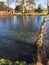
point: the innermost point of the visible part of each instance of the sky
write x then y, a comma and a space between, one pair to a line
41, 2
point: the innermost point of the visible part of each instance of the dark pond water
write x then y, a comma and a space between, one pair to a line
18, 35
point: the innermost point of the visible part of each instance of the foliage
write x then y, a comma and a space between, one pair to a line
8, 62
2, 5
19, 8
5, 62
31, 2
39, 10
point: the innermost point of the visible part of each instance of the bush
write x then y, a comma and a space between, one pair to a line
5, 62
39, 10
8, 62
17, 63
23, 63
19, 8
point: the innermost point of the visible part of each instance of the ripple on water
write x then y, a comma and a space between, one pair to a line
18, 36
19, 45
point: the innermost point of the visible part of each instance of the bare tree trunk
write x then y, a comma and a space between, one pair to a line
8, 2
48, 5
29, 6
23, 5
41, 55
23, 8
48, 9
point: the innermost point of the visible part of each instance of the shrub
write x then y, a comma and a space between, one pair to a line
39, 9
8, 62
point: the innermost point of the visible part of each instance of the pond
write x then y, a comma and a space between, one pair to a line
18, 35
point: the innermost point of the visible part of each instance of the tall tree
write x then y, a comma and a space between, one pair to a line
30, 2
23, 4
48, 5
9, 2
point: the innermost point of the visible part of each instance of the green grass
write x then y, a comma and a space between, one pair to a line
42, 13
35, 13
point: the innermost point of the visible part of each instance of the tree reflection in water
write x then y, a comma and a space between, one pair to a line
18, 37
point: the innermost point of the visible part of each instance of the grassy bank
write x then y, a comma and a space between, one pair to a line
34, 14
44, 13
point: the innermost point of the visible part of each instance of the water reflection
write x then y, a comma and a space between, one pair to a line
22, 22
18, 37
